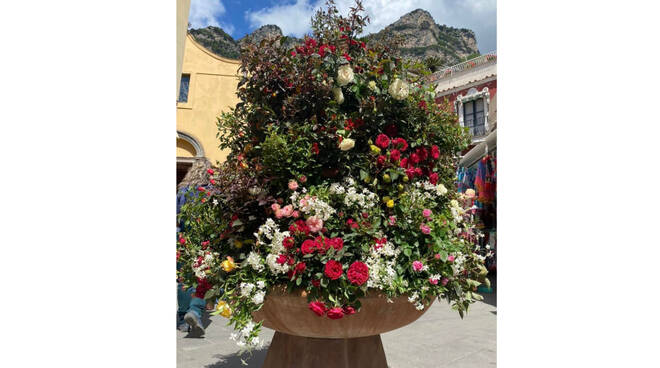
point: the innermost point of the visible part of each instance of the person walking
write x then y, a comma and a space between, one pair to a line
191, 301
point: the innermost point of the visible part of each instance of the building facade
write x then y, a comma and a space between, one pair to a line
207, 88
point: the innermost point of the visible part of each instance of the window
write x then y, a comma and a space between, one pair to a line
183, 90
474, 117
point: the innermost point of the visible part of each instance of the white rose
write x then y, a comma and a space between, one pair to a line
339, 95
441, 189
346, 144
399, 89
345, 75
372, 85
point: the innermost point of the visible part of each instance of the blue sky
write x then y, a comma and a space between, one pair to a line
239, 17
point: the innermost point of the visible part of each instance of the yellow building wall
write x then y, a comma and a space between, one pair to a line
213, 83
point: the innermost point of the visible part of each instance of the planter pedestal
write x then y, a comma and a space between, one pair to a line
289, 351
303, 339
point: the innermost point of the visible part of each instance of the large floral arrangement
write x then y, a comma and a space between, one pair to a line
339, 182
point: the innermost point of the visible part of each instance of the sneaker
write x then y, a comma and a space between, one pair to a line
195, 324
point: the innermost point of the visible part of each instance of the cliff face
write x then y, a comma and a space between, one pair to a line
423, 39
217, 41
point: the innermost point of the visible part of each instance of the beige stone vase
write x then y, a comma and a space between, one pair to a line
303, 339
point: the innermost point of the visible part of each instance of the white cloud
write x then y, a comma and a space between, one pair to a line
204, 13
293, 19
477, 15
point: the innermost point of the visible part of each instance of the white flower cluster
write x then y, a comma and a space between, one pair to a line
243, 338
381, 262
254, 260
247, 288
414, 299
276, 268
439, 189
207, 261
274, 245
352, 198
458, 264
312, 206
456, 210
399, 89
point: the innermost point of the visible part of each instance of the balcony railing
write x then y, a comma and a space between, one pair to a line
488, 58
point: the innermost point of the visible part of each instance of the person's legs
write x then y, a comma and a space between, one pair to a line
194, 315
184, 298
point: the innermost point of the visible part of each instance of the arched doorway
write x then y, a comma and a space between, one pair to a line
188, 150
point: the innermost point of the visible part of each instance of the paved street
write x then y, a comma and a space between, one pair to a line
438, 339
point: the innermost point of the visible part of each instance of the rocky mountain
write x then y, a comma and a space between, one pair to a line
217, 41
422, 38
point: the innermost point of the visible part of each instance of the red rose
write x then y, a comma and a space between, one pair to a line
281, 259
201, 189
308, 246
182, 240
418, 171
315, 148
290, 260
395, 155
348, 310
410, 172
316, 283
348, 58
300, 268
404, 163
293, 53
210, 171
423, 153
212, 181
435, 152
288, 242
400, 143
318, 308
336, 243
363, 45
381, 160
414, 158
322, 244
205, 244
332, 48
333, 269
335, 313
382, 141
433, 178
358, 273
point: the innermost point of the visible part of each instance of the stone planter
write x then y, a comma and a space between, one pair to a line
303, 339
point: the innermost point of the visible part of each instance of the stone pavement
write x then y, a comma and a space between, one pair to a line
438, 339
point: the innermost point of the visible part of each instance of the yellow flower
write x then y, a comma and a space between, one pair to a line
387, 178
375, 149
238, 244
224, 309
228, 264
390, 203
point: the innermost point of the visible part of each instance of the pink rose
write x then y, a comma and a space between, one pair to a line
287, 211
293, 185
314, 223
417, 266
444, 281
433, 281
295, 214
425, 229
451, 258
392, 220
427, 213
275, 207
437, 256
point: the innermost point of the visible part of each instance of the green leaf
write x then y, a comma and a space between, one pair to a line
298, 281
407, 252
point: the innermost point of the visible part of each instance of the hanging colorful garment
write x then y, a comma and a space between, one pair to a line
485, 179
